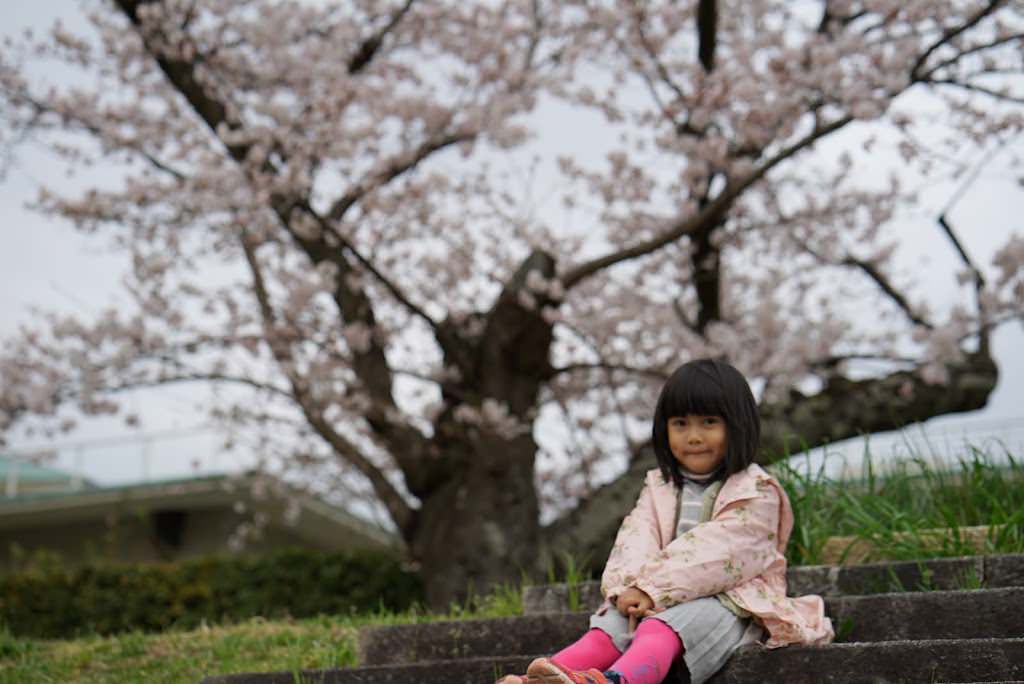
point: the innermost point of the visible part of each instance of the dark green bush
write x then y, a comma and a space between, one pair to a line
51, 602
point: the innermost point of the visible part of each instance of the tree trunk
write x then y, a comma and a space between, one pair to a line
478, 524
479, 528
587, 532
850, 408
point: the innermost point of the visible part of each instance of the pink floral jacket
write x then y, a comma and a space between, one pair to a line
738, 551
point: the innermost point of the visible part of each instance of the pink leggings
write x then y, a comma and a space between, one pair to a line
647, 660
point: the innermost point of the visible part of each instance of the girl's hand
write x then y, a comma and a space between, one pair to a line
634, 604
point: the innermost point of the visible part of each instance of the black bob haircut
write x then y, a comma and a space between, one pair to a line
708, 387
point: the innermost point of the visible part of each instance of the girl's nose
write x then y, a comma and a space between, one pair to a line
693, 437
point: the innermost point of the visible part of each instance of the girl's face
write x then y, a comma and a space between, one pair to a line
697, 442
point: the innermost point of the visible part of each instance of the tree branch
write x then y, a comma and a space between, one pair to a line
392, 170
879, 279
200, 377
395, 291
372, 366
84, 125
400, 512
849, 408
680, 127
706, 260
1002, 97
707, 29
830, 363
578, 367
371, 45
885, 286
827, 19
711, 214
1016, 37
979, 279
949, 34
683, 317
588, 530
181, 74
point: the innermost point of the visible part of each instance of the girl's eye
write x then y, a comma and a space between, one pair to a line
711, 420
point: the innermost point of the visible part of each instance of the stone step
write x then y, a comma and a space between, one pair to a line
892, 632
893, 662
966, 660
400, 644
989, 572
985, 613
469, 670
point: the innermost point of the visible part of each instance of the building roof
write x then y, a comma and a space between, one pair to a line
26, 471
318, 521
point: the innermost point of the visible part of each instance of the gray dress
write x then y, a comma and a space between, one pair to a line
710, 632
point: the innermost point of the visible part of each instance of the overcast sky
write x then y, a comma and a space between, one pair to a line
44, 263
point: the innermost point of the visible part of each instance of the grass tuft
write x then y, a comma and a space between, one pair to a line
897, 512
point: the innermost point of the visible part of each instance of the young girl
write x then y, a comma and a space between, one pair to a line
697, 568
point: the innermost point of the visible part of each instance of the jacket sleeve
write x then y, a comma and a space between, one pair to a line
738, 544
636, 543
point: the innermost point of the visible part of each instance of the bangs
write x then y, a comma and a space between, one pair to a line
708, 387
695, 391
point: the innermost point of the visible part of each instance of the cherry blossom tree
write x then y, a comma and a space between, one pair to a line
309, 201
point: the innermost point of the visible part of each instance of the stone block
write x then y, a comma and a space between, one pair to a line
469, 638
469, 670
813, 579
891, 662
937, 574
1004, 571
987, 613
555, 598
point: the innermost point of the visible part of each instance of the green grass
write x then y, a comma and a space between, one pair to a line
255, 645
185, 656
574, 571
892, 509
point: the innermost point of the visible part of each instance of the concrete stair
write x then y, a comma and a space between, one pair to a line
838, 580
948, 620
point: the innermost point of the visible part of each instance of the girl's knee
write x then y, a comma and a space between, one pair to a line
658, 629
